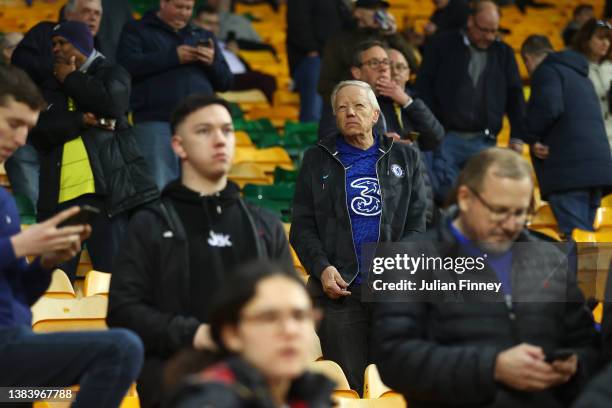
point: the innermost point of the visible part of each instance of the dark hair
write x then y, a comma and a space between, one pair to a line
239, 289
362, 47
194, 103
581, 8
17, 84
536, 44
580, 42
206, 8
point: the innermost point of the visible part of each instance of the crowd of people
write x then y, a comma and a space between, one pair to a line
205, 307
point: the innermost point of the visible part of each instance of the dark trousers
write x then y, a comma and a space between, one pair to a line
103, 363
575, 208
345, 334
106, 236
256, 80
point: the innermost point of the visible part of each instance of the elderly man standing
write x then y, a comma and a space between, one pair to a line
470, 79
497, 349
169, 59
354, 187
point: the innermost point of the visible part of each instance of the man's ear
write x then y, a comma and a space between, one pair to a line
356, 73
463, 197
375, 116
177, 146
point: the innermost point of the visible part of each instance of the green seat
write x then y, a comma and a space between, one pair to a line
301, 127
267, 139
27, 211
235, 111
284, 176
276, 192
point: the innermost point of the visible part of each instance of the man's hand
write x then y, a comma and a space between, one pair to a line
430, 28
62, 69
54, 245
202, 339
386, 87
89, 119
313, 54
333, 284
523, 368
187, 54
206, 55
540, 151
567, 368
397, 138
517, 146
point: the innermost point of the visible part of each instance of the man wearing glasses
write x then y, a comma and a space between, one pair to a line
498, 349
470, 79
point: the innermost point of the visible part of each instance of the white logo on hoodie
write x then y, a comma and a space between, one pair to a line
219, 240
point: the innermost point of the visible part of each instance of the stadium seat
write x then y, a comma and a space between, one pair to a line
130, 400
275, 197
390, 402
243, 139
27, 210
267, 159
96, 283
579, 235
60, 287
334, 372
543, 218
51, 315
603, 218
606, 201
373, 386
245, 173
284, 176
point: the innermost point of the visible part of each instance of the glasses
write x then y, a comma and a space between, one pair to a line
399, 67
502, 214
484, 30
275, 319
374, 63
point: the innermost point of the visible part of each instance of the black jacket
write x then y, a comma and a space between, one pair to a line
147, 49
598, 394
310, 23
444, 84
321, 229
150, 291
564, 114
606, 324
452, 17
235, 384
103, 90
443, 354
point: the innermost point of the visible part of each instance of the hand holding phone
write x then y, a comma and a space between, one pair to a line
206, 51
85, 216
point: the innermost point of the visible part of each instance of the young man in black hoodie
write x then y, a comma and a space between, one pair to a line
178, 251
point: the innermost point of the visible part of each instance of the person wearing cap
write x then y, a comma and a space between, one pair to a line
470, 80
74, 134
371, 22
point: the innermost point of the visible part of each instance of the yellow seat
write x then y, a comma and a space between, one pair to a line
373, 387
130, 400
243, 139
606, 201
334, 372
248, 173
396, 401
96, 283
60, 287
550, 232
594, 237
598, 313
544, 218
51, 315
603, 218
266, 159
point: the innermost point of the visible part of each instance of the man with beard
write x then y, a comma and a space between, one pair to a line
495, 349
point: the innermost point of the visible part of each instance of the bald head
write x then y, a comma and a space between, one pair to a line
483, 24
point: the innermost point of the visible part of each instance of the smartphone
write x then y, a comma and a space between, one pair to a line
205, 43
85, 216
559, 354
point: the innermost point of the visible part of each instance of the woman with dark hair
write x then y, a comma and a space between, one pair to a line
593, 41
262, 323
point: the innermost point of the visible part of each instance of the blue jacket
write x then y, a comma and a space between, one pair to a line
21, 284
147, 49
564, 114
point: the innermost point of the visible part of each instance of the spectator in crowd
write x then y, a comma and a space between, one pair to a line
593, 41
35, 56
176, 253
118, 13
8, 43
232, 22
571, 153
89, 105
490, 353
582, 14
310, 23
470, 79
90, 359
353, 188
262, 323
244, 77
168, 59
450, 15
371, 22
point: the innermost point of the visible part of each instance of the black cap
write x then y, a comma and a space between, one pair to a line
371, 4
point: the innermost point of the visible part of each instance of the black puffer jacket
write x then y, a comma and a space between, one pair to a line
598, 394
103, 90
235, 384
321, 229
443, 354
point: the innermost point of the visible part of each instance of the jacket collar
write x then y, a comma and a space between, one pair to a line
329, 143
